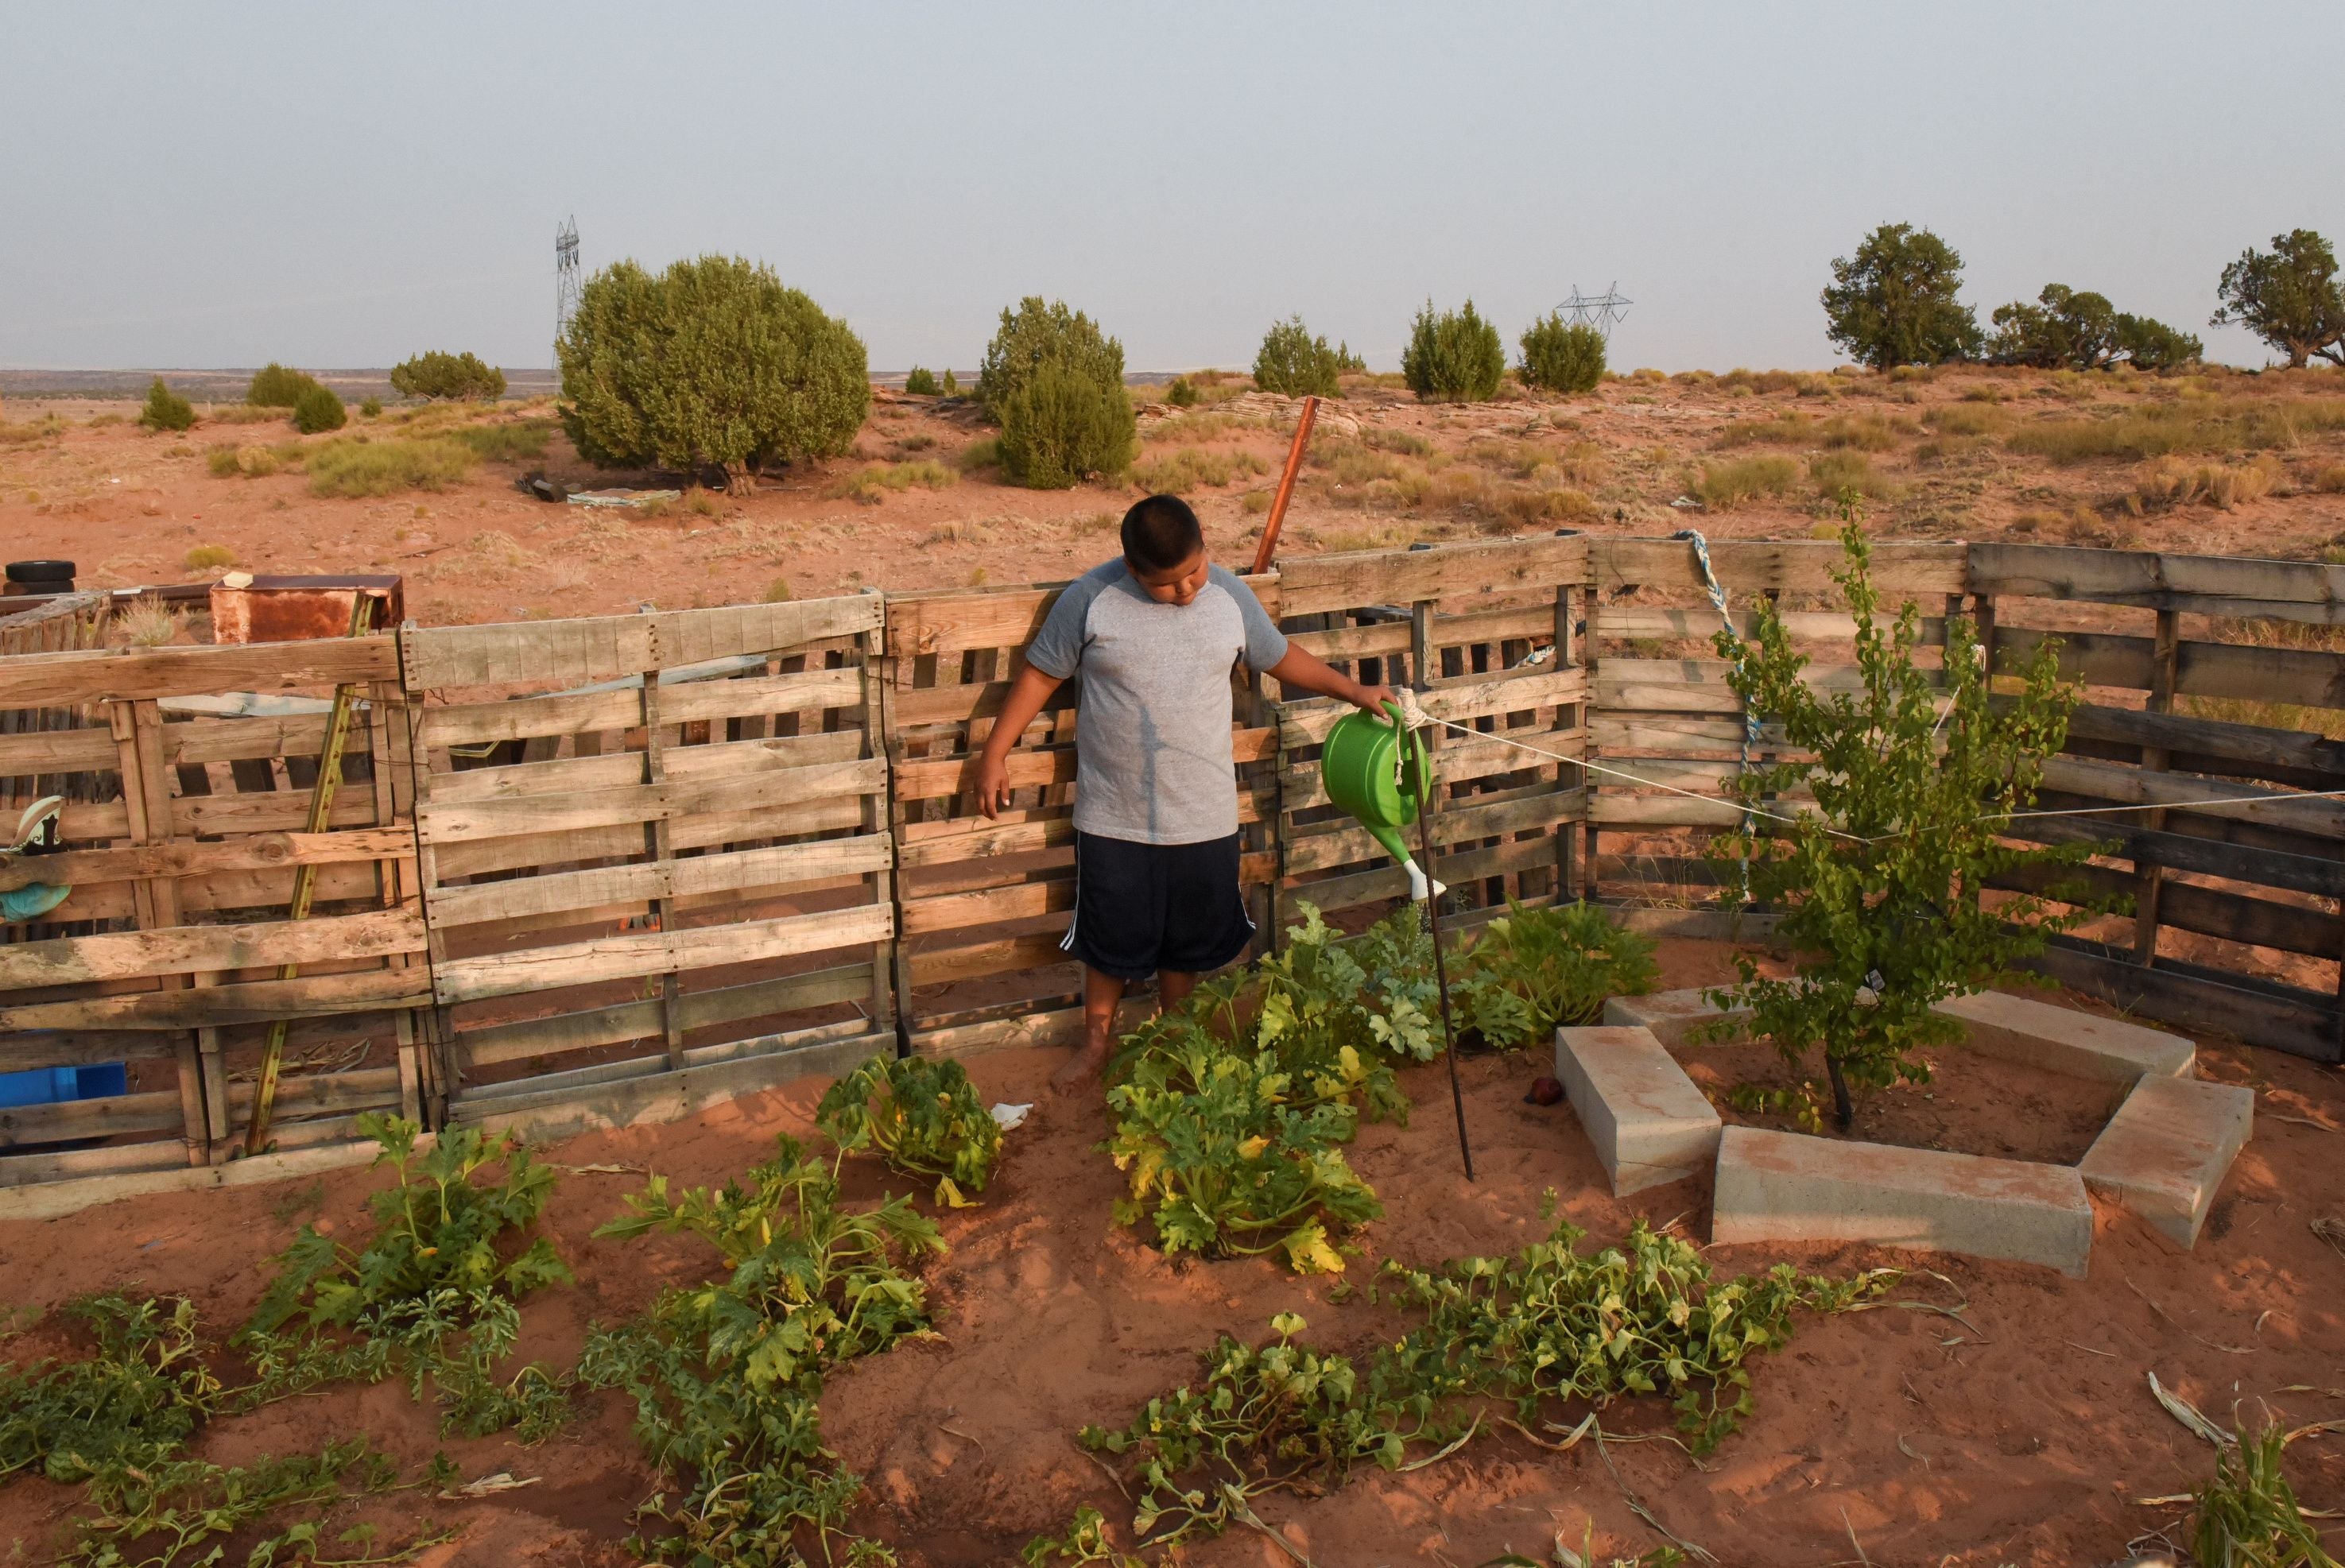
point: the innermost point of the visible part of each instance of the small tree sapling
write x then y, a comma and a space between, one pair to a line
1881, 885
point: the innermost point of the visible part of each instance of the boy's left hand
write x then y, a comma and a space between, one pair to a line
1372, 699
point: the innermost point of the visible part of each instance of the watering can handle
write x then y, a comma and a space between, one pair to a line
1399, 719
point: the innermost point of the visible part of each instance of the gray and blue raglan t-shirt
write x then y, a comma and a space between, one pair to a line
1152, 732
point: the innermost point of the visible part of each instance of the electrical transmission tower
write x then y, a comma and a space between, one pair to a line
1602, 311
566, 282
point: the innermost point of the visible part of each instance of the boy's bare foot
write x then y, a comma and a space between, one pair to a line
1083, 1070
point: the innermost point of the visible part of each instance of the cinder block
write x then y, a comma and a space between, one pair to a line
2064, 1040
2168, 1148
1784, 1187
1649, 1123
1669, 1014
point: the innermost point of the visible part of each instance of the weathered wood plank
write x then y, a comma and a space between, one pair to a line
1751, 566
2133, 786
188, 949
2200, 584
765, 869
190, 857
490, 1045
637, 954
62, 680
1310, 584
463, 820
219, 1007
596, 648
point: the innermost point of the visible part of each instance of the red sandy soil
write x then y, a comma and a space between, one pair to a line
129, 505
2022, 1433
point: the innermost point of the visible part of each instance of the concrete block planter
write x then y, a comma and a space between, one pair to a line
1649, 1123
1785, 1186
2162, 1157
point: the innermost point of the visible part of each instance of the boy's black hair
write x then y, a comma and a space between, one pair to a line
1160, 534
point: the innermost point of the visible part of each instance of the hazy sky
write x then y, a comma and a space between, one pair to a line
340, 185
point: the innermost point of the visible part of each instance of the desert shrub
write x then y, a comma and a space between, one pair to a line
1892, 302
1386, 438
2149, 345
318, 409
1062, 425
2330, 480
1914, 776
211, 558
1293, 363
951, 384
712, 363
372, 407
1453, 356
920, 382
166, 410
360, 466
1182, 393
1189, 468
1728, 485
275, 386
1560, 355
1040, 333
2078, 330
985, 452
463, 377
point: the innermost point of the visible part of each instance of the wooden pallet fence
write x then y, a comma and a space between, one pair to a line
2235, 867
654, 854
1668, 731
1487, 635
181, 853
985, 902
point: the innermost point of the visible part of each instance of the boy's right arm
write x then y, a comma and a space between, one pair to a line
1028, 692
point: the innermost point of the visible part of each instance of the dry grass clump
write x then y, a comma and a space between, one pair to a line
1344, 542
2187, 425
1967, 419
240, 414
1865, 433
25, 432
871, 485
211, 558
2164, 482
2267, 634
1843, 473
251, 460
494, 554
1553, 505
1189, 428
984, 453
361, 466
1723, 487
1194, 467
962, 531
1406, 442
508, 440
1789, 428
148, 623
2330, 481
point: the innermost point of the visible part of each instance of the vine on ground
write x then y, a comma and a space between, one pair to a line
428, 1295
726, 1377
1546, 1328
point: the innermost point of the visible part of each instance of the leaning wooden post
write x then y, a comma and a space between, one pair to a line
305, 876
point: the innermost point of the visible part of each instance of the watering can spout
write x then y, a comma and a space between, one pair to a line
1420, 887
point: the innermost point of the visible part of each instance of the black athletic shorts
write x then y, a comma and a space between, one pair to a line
1143, 907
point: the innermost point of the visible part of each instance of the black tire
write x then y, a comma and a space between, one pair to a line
41, 571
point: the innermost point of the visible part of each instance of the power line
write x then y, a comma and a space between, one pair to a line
566, 284
1602, 311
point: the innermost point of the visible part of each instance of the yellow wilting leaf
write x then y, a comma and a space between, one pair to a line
1252, 1147
950, 1195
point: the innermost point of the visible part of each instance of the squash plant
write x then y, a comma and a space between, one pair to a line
1534, 971
727, 1376
922, 1116
133, 1403
432, 1294
1880, 887
1229, 1112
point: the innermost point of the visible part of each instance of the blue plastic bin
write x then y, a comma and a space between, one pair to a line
47, 1086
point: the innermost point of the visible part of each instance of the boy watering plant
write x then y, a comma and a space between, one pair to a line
1153, 637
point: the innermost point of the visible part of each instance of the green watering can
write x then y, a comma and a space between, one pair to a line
1381, 774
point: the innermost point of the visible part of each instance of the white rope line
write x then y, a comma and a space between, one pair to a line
1415, 712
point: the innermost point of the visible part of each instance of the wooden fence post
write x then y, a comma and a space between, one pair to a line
136, 727
2150, 879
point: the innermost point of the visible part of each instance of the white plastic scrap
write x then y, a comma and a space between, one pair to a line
1009, 1117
